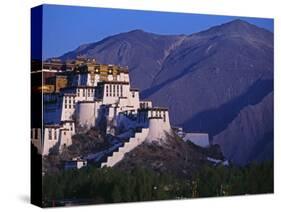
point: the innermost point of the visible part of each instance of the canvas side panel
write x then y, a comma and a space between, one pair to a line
36, 104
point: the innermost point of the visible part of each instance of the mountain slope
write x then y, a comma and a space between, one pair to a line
241, 146
143, 52
211, 69
206, 79
213, 76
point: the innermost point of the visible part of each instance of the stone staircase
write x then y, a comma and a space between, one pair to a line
128, 146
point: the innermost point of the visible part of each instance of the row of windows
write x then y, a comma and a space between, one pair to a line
114, 90
50, 134
85, 92
162, 114
54, 136
144, 105
69, 102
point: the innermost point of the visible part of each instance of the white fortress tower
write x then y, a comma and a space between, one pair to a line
94, 94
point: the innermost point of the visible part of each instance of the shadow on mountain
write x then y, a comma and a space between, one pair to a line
189, 69
263, 150
214, 121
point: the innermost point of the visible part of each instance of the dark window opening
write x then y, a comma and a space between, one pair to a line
50, 134
36, 133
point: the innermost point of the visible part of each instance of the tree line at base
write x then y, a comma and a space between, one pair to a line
111, 185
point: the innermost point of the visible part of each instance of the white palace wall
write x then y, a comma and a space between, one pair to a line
87, 101
36, 139
157, 129
65, 138
68, 106
87, 113
50, 138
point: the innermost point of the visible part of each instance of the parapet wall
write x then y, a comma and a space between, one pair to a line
144, 115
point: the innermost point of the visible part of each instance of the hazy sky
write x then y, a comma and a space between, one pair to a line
67, 27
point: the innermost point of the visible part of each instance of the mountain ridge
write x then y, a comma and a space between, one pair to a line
194, 73
238, 22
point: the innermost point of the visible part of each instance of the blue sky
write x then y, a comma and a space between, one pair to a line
67, 27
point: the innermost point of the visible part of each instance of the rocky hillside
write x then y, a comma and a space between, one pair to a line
174, 156
207, 79
258, 145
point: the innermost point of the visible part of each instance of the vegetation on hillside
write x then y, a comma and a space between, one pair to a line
109, 185
173, 170
90, 141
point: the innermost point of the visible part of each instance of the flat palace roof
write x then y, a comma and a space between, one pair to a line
114, 82
154, 109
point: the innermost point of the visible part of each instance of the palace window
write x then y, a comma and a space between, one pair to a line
133, 94
55, 135
83, 92
50, 134
164, 117
121, 90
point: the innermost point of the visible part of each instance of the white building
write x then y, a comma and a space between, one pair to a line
99, 94
75, 163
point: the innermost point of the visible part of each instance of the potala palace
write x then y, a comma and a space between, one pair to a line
82, 94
